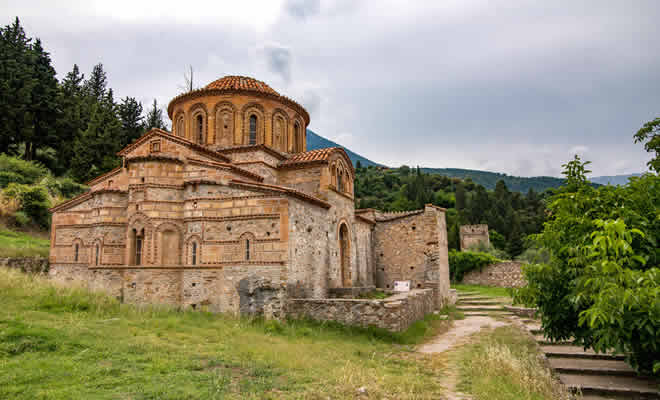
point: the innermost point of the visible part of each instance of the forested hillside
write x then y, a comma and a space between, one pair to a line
315, 141
510, 215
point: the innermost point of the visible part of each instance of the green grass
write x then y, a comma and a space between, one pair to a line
490, 291
64, 343
17, 244
505, 364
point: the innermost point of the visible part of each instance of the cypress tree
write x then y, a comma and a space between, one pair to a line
72, 117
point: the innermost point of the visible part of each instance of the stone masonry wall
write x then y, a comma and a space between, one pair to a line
503, 274
31, 265
395, 313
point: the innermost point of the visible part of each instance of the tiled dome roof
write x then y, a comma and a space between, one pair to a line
241, 83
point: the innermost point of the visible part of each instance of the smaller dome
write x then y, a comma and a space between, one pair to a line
241, 83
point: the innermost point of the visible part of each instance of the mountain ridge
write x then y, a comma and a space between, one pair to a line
488, 179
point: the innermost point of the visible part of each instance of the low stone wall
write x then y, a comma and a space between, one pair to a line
31, 265
503, 274
349, 292
395, 313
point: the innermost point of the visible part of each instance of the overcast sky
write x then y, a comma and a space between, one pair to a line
502, 85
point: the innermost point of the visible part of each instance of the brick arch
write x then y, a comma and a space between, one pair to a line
96, 255
196, 110
224, 137
345, 243
247, 242
143, 227
253, 108
297, 144
189, 247
179, 124
81, 250
281, 142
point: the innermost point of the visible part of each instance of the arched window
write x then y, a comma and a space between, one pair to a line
253, 130
200, 129
194, 253
180, 126
297, 143
75, 254
247, 249
139, 239
96, 260
340, 183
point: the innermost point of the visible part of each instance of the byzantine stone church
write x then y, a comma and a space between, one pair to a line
232, 196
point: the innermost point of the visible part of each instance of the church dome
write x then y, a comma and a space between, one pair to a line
241, 83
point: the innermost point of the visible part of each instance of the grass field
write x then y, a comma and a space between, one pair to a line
58, 343
18, 244
504, 364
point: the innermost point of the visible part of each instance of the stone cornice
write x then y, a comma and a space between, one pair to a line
199, 93
281, 190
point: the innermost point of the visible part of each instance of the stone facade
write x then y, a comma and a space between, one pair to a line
228, 213
395, 313
502, 274
473, 234
30, 265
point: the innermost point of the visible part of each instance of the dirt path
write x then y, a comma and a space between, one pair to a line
461, 333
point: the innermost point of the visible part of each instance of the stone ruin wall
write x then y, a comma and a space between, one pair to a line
395, 313
503, 274
473, 234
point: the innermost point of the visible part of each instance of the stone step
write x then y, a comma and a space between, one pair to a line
633, 388
568, 351
479, 308
543, 341
486, 314
478, 303
591, 367
470, 298
468, 294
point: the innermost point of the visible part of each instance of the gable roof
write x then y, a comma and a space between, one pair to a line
177, 139
318, 156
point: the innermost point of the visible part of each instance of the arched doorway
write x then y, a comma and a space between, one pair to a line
345, 255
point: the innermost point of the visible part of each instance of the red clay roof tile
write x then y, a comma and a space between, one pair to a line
241, 83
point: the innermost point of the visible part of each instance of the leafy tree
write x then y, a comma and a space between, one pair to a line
650, 135
155, 117
600, 286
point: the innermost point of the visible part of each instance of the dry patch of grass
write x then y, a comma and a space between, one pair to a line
504, 364
63, 343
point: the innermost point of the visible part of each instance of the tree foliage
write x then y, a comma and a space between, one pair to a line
600, 285
650, 135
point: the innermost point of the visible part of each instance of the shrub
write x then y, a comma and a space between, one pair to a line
34, 201
483, 247
462, 262
62, 187
535, 255
20, 170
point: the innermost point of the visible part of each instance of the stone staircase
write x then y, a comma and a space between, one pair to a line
473, 304
596, 376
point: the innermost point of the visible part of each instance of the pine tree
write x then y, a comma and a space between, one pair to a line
155, 118
96, 85
72, 117
16, 84
44, 108
460, 196
516, 246
130, 114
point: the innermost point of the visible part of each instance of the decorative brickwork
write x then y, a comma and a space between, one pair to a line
202, 219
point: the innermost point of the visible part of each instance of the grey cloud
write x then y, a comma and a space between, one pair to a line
302, 8
279, 61
311, 100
